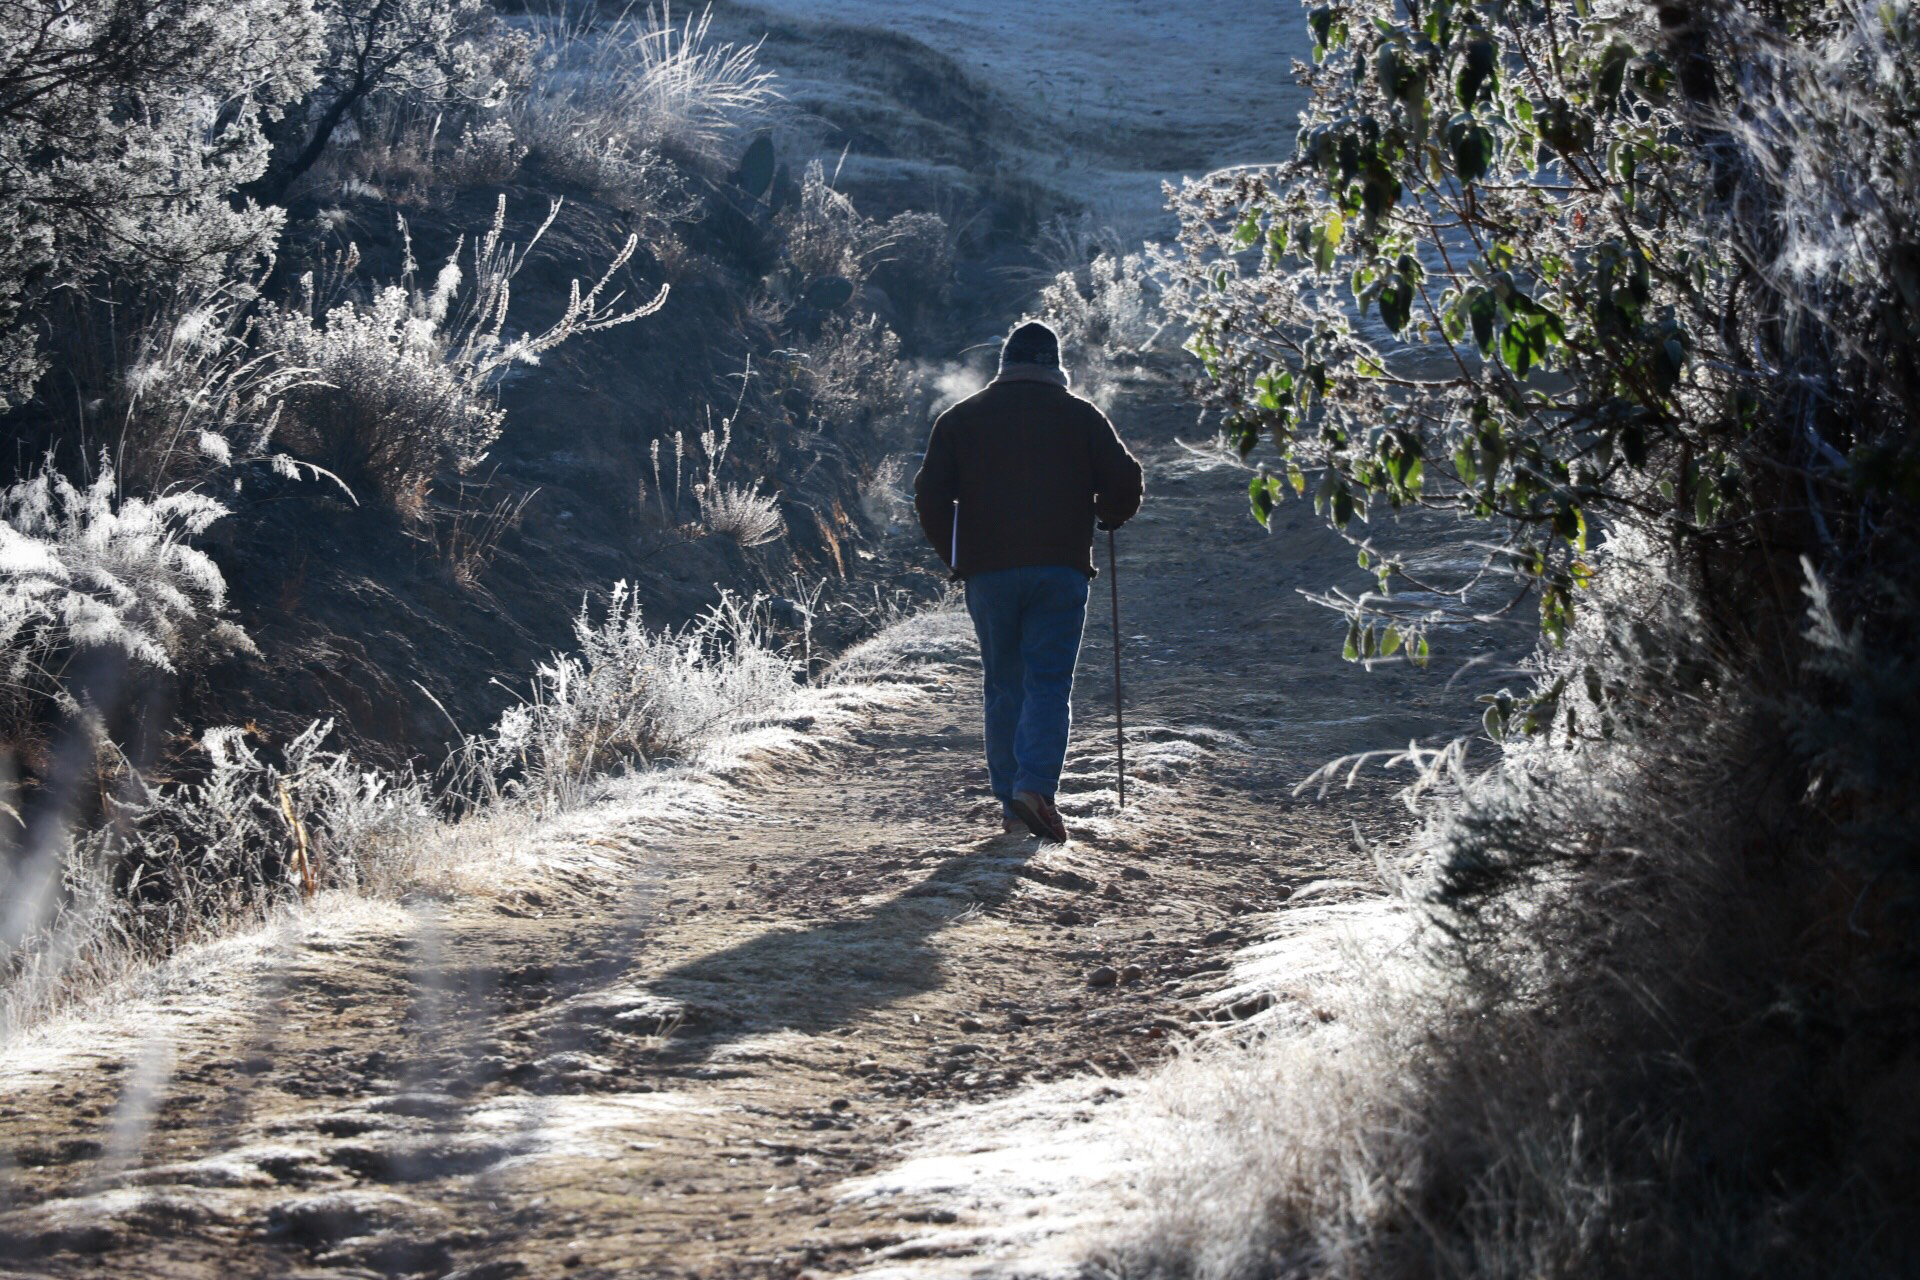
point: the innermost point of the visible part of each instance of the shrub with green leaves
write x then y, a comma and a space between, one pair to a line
1562, 267
1633, 292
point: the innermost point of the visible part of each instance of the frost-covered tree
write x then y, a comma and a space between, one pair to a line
1551, 267
431, 52
125, 128
1631, 289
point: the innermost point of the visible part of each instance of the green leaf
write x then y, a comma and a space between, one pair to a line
1483, 309
1320, 22
1263, 494
1515, 351
1396, 303
1476, 72
1390, 642
1244, 436
1351, 650
1471, 147
1610, 73
1463, 463
1387, 68
1324, 248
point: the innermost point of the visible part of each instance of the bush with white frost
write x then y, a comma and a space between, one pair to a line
89, 569
182, 861
405, 384
609, 100
1633, 289
1106, 309
852, 373
629, 696
125, 128
742, 513
379, 55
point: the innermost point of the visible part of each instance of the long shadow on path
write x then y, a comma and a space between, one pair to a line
825, 976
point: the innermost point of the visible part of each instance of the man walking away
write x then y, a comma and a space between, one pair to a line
1014, 480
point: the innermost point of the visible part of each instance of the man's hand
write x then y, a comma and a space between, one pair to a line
1106, 526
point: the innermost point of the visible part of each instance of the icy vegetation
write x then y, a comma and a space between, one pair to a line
244, 362
402, 386
87, 569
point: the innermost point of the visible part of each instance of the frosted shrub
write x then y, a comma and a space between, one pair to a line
1067, 244
197, 393
393, 407
853, 372
405, 384
410, 154
86, 568
255, 829
828, 236
1690, 874
606, 102
740, 512
124, 132
384, 58
883, 494
743, 513
487, 153
1109, 308
630, 695
180, 862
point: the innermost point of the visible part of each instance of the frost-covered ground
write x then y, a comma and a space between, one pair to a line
1134, 92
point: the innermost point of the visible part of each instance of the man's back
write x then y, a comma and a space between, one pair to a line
1013, 481
1024, 460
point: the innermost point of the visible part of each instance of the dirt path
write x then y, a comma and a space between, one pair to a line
665, 1063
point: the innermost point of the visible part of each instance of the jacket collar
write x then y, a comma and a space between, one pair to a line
1034, 373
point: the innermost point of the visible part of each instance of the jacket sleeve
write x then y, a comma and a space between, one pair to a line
1118, 481
935, 489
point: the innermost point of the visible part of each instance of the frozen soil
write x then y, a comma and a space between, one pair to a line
672, 1058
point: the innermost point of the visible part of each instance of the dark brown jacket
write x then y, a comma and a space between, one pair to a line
1030, 466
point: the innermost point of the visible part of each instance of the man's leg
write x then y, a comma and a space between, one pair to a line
993, 601
1054, 615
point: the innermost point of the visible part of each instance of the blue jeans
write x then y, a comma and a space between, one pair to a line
1029, 622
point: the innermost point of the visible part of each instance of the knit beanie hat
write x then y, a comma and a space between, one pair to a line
1032, 343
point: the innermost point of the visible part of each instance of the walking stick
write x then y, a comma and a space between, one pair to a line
1119, 724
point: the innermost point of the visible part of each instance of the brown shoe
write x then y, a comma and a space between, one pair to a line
1041, 817
1012, 826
